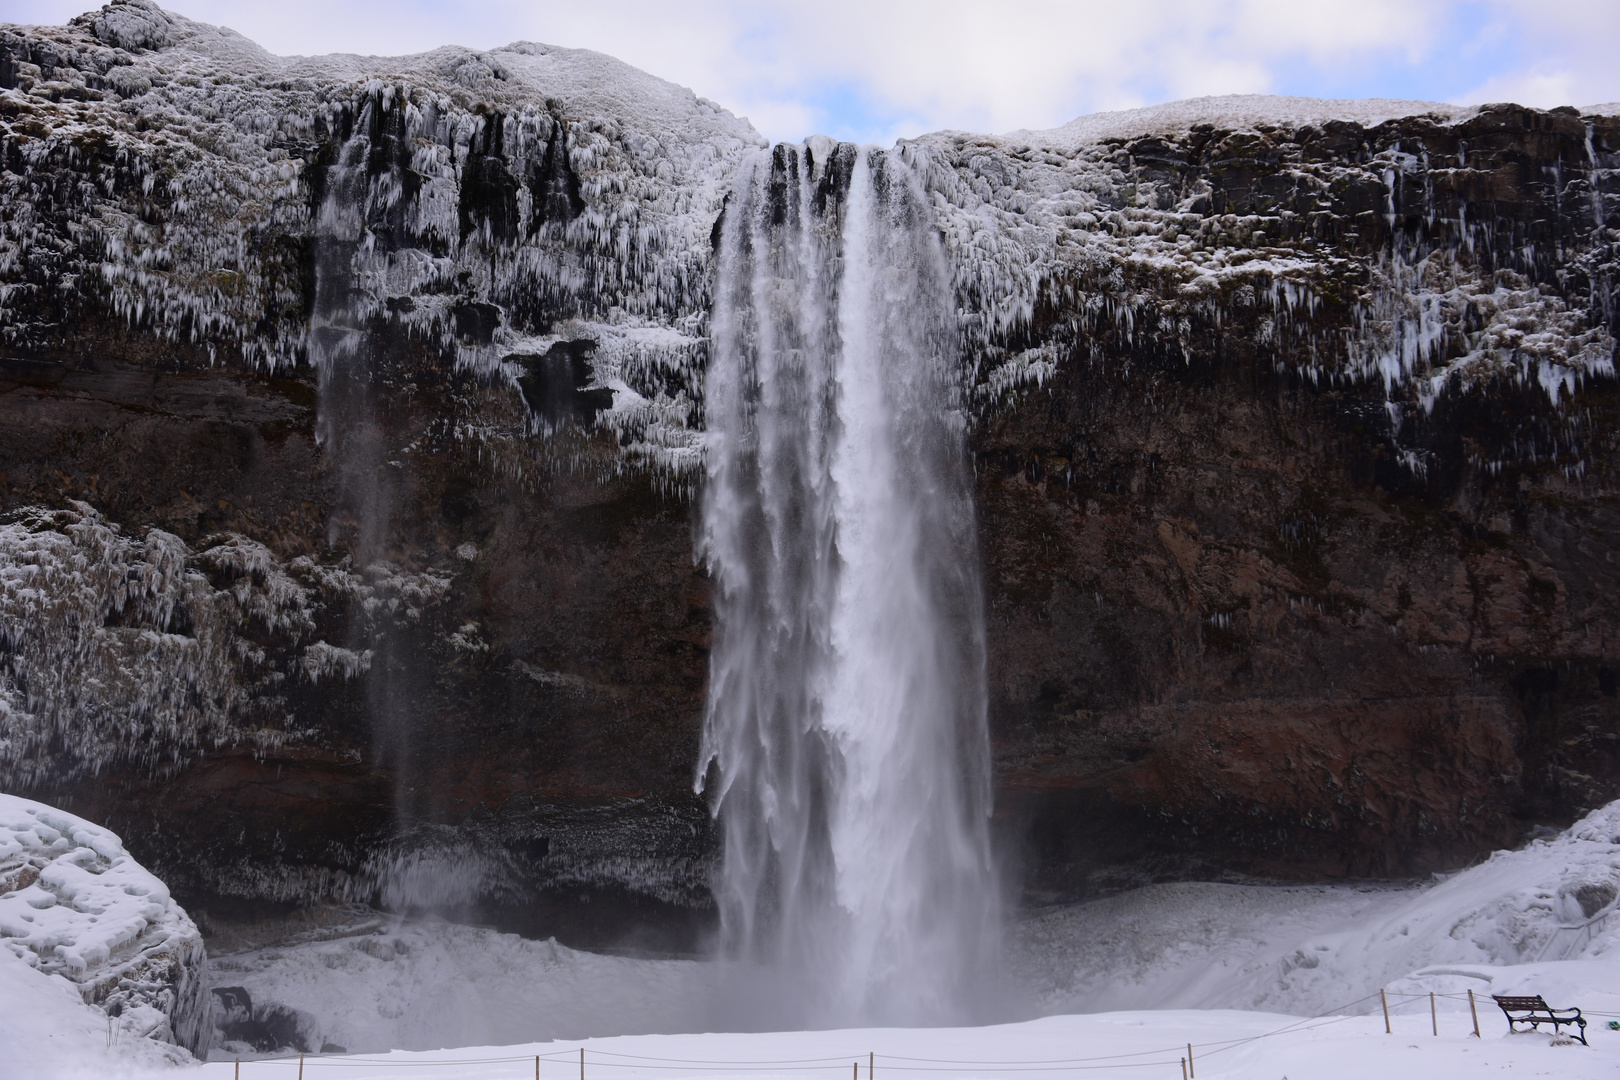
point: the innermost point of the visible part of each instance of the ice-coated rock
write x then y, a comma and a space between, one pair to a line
74, 903
130, 24
137, 648
489, 204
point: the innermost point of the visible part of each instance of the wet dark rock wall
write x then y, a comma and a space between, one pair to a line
1255, 611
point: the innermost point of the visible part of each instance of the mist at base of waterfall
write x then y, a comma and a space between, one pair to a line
1516, 919
424, 983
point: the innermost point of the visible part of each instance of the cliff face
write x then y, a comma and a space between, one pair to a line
1319, 583
351, 410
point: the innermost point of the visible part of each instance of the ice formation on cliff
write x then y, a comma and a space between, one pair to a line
1058, 220
121, 647
494, 203
74, 903
498, 205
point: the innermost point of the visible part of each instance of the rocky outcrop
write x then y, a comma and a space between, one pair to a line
350, 410
74, 903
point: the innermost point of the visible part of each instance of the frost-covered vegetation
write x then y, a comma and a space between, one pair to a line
119, 648
1342, 234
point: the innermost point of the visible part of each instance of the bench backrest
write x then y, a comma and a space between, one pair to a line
1521, 1002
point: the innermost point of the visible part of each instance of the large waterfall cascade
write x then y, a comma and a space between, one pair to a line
845, 744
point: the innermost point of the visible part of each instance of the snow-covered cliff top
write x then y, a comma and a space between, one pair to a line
499, 204
1232, 112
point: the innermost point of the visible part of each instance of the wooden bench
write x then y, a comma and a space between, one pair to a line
1535, 1012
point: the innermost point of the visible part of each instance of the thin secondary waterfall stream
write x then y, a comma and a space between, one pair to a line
845, 744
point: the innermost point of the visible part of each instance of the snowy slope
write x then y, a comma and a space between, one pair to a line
48, 1031
1307, 949
75, 905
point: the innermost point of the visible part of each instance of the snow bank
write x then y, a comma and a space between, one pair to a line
47, 1031
73, 903
1306, 950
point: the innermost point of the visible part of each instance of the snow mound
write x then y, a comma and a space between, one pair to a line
74, 903
1549, 905
50, 1033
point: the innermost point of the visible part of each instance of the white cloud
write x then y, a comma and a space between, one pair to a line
882, 68
1565, 52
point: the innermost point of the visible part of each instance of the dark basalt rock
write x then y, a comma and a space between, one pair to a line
556, 384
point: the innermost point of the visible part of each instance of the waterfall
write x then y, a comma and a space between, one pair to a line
845, 750
340, 351
348, 361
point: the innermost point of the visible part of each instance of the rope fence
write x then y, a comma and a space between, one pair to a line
1184, 1055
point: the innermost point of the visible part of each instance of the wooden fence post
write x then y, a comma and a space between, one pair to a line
1434, 1017
1192, 1070
582, 1063
1474, 1011
1183, 1069
300, 1065
1383, 998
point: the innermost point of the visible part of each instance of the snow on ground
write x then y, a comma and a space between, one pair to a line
1187, 945
1536, 920
1307, 949
1147, 1045
414, 984
77, 908
46, 1030
419, 984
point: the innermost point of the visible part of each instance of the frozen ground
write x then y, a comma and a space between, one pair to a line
1305, 950
1140, 1044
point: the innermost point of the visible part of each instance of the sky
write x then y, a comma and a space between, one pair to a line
877, 70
